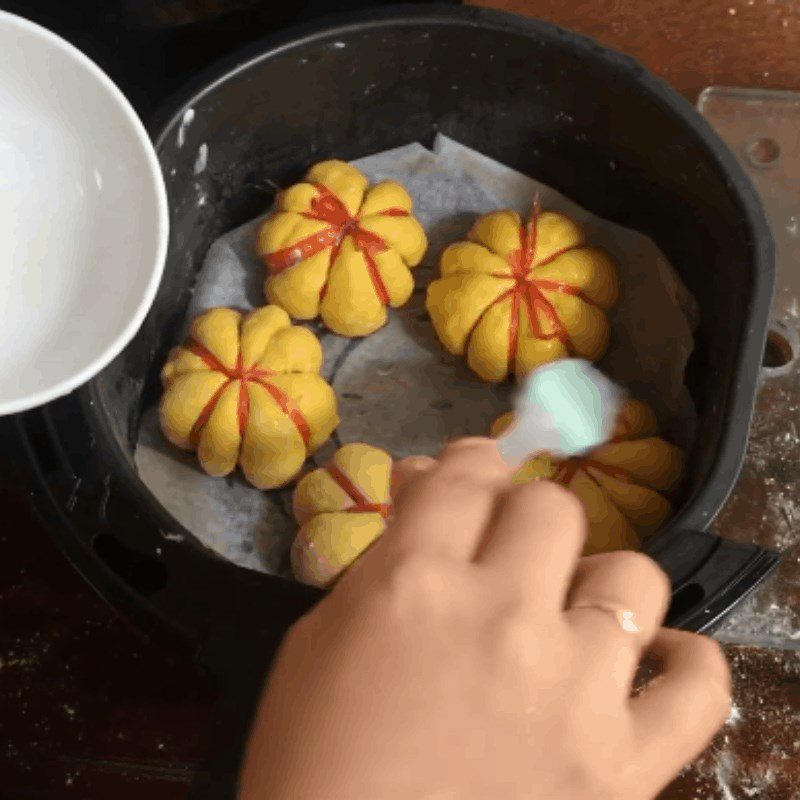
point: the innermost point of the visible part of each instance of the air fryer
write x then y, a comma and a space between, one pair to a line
629, 149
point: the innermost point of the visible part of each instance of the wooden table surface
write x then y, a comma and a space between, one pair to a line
89, 708
690, 45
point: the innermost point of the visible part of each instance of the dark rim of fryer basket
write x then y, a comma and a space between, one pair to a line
181, 611
699, 510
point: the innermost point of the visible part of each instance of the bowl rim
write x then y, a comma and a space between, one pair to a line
117, 345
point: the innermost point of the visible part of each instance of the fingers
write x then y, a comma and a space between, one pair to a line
628, 585
536, 540
677, 715
407, 470
445, 509
615, 607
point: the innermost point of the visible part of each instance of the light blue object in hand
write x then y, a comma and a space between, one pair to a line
566, 408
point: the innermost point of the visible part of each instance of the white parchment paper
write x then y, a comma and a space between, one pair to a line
397, 388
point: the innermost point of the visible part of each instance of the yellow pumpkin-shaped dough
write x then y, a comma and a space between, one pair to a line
246, 389
339, 249
517, 295
620, 483
342, 509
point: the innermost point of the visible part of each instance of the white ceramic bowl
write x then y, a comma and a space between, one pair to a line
83, 217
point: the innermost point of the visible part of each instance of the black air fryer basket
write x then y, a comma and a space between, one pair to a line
627, 148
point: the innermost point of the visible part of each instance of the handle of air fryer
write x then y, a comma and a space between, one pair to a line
240, 655
238, 694
710, 575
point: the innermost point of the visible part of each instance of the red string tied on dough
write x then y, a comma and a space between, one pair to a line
244, 375
361, 503
327, 207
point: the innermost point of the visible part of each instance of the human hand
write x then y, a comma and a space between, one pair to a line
471, 654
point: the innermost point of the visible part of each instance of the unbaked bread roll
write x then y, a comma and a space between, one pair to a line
246, 390
342, 509
622, 484
519, 294
340, 249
